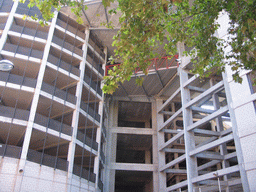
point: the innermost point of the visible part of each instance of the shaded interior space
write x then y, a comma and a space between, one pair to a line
133, 181
71, 22
68, 38
12, 134
94, 58
60, 81
31, 24
84, 158
23, 9
134, 114
2, 23
97, 43
54, 110
56, 52
6, 6
25, 42
23, 67
89, 94
86, 126
93, 74
134, 149
49, 144
15, 98
49, 150
84, 164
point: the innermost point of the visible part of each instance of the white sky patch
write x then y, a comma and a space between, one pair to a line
207, 107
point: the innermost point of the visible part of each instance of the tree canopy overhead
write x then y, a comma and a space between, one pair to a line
148, 24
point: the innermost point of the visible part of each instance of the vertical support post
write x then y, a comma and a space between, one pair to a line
219, 125
8, 24
75, 119
35, 99
176, 155
191, 162
99, 130
109, 180
189, 139
160, 138
156, 180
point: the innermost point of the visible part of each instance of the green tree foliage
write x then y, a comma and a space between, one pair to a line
47, 7
148, 24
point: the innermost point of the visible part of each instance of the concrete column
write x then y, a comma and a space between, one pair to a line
75, 119
109, 180
8, 24
219, 125
191, 162
34, 104
35, 99
99, 130
157, 121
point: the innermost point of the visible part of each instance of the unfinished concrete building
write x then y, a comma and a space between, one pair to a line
58, 132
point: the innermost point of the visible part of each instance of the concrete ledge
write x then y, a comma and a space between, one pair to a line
132, 166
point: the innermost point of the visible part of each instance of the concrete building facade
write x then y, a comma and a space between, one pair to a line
58, 132
51, 103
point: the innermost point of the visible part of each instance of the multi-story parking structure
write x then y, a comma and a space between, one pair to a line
58, 132
51, 103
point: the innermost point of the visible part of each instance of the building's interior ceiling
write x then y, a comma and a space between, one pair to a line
160, 83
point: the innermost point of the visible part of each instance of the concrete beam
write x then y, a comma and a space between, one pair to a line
132, 166
132, 130
212, 144
214, 174
177, 186
166, 103
170, 141
169, 121
208, 118
210, 155
209, 164
190, 80
206, 132
133, 98
171, 150
172, 163
176, 171
213, 89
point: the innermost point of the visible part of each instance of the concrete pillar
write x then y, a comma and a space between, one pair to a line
34, 104
191, 162
157, 121
99, 130
75, 119
35, 99
8, 24
109, 180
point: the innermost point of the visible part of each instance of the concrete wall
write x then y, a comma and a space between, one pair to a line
37, 178
245, 116
246, 125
